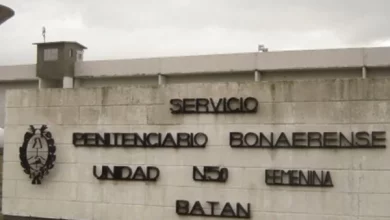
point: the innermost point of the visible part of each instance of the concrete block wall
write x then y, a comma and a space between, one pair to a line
361, 177
12, 85
1, 175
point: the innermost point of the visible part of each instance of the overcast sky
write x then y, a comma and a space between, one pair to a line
122, 29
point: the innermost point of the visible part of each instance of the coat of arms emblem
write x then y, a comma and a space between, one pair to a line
37, 154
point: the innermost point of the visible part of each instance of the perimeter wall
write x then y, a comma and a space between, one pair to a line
360, 177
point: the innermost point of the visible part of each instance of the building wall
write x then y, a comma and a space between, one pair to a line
275, 75
235, 67
210, 78
116, 81
12, 85
330, 59
379, 73
353, 73
18, 73
360, 176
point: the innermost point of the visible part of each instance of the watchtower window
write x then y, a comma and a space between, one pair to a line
50, 54
70, 53
79, 55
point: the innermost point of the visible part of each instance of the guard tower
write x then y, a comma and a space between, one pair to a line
56, 63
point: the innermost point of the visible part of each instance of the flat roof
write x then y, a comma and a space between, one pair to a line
60, 42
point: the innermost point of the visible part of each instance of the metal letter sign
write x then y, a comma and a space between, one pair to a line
37, 154
210, 174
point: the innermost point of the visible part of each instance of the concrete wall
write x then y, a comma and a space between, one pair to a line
1, 174
12, 85
221, 77
361, 177
239, 67
217, 77
116, 81
18, 72
273, 66
354, 58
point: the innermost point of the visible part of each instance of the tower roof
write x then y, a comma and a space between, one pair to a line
60, 42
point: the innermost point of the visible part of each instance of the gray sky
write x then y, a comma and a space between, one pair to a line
121, 29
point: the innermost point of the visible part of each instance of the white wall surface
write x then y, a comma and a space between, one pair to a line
219, 63
276, 65
361, 177
4, 86
18, 72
